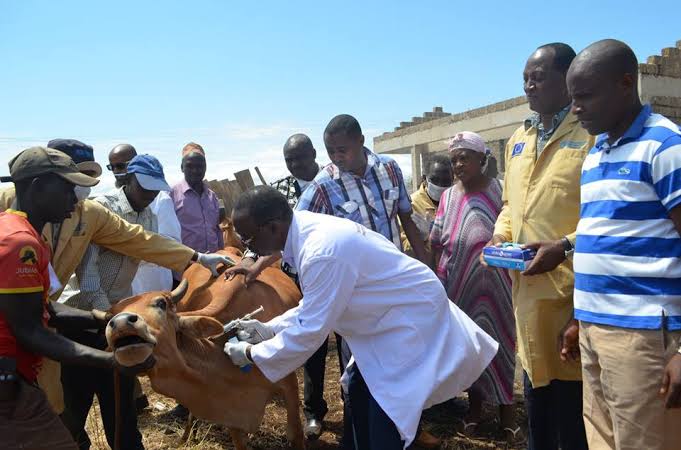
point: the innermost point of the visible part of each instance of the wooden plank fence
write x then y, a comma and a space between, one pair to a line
228, 190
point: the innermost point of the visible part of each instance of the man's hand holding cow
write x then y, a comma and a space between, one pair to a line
251, 268
253, 331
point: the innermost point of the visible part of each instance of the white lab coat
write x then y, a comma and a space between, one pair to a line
149, 276
412, 345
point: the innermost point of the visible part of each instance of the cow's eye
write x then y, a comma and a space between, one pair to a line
161, 303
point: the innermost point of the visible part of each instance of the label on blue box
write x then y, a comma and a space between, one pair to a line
509, 256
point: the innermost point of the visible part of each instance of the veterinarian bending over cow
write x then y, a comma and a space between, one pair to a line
412, 347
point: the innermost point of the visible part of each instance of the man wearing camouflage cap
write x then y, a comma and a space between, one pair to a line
44, 180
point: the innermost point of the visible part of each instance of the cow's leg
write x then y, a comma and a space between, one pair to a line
294, 427
238, 439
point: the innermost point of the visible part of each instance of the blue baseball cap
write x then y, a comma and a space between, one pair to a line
149, 173
82, 154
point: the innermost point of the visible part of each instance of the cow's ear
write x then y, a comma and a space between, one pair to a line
200, 326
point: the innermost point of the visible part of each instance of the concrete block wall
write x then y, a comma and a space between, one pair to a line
659, 85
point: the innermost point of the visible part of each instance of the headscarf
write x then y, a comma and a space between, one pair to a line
470, 141
193, 147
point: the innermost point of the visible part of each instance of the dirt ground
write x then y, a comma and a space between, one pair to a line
161, 432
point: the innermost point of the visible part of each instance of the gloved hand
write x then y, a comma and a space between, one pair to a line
253, 331
237, 353
211, 260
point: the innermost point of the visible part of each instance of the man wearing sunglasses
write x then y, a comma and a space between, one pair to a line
119, 158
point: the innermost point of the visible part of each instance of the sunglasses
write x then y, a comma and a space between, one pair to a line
118, 166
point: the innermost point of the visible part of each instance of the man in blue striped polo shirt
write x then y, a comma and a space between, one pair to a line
627, 257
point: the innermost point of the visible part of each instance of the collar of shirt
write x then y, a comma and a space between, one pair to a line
633, 132
535, 121
185, 187
372, 160
287, 254
302, 184
121, 200
15, 212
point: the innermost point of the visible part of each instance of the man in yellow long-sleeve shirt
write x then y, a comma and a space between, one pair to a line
541, 210
92, 223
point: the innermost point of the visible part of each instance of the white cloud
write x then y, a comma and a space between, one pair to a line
229, 148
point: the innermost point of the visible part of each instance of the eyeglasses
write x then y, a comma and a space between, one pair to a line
118, 166
247, 241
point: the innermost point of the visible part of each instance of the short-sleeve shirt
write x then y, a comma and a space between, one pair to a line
24, 262
628, 252
373, 200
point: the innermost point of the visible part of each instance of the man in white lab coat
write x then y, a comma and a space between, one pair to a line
412, 347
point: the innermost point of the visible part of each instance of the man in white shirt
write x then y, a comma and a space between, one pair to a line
149, 277
413, 346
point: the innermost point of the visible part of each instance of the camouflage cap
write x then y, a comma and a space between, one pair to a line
36, 161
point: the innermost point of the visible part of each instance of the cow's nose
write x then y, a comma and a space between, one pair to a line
122, 319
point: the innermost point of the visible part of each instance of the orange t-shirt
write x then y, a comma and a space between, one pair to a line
24, 261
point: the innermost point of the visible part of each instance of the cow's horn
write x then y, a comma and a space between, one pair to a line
177, 293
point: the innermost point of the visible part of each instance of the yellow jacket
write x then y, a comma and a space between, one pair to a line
422, 205
92, 223
541, 202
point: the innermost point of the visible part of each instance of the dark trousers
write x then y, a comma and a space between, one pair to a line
81, 384
314, 405
373, 429
554, 413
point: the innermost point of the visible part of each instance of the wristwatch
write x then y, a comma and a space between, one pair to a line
568, 248
251, 254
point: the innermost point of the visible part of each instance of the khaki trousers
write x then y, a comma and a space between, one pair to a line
622, 370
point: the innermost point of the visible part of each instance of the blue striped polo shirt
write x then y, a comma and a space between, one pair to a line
628, 252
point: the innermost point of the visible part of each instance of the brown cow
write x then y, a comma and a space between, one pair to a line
192, 368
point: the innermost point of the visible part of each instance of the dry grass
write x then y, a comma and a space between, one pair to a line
161, 432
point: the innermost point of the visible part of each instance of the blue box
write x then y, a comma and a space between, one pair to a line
509, 256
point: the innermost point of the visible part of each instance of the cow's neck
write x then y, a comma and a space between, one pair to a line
201, 377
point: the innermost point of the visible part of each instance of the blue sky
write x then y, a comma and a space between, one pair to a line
240, 77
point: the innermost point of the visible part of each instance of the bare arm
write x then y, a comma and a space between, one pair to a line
414, 237
66, 317
437, 254
250, 268
671, 379
24, 313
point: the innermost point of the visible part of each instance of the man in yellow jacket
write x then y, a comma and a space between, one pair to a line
92, 223
541, 210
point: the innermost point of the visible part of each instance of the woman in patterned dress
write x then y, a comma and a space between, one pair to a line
464, 222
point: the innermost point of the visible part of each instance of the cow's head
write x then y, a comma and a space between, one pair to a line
148, 323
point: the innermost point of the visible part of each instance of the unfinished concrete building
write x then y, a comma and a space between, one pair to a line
659, 85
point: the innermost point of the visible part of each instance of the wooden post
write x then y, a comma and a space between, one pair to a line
416, 172
244, 178
262, 179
